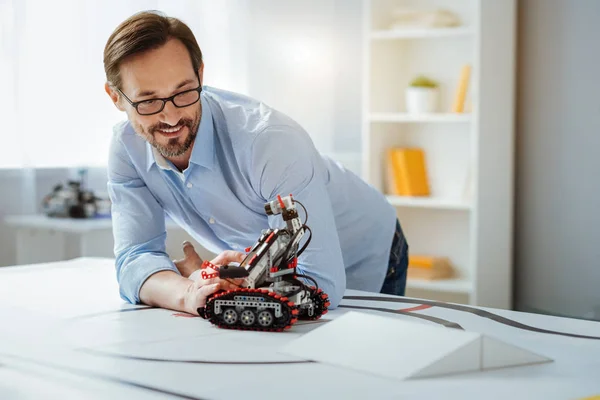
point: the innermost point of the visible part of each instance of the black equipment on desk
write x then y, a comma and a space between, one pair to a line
70, 201
74, 201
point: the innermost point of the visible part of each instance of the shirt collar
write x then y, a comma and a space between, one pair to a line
203, 151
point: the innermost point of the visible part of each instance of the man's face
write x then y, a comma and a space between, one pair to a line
160, 73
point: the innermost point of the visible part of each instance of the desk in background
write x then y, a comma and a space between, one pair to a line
43, 239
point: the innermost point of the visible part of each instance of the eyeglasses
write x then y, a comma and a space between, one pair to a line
154, 106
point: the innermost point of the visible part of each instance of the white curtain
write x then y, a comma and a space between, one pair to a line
11, 155
55, 112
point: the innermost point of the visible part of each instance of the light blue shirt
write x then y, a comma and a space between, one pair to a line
244, 155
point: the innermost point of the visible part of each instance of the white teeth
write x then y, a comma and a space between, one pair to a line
171, 130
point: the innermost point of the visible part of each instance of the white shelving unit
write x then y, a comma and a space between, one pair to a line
429, 202
420, 33
408, 118
469, 156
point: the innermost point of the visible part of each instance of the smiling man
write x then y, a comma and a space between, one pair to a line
211, 159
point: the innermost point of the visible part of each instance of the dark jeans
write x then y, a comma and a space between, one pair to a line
395, 280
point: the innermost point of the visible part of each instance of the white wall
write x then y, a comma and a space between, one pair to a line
557, 260
304, 58
11, 202
347, 101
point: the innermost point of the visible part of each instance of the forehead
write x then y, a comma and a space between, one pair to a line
158, 70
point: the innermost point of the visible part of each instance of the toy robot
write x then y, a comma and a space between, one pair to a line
70, 201
270, 297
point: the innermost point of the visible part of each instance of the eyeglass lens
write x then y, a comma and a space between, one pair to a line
181, 100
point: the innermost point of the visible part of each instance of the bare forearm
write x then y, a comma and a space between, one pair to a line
166, 289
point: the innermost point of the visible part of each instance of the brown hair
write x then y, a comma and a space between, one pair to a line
145, 31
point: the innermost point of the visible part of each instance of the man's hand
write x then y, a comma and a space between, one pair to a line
228, 256
192, 261
199, 290
183, 292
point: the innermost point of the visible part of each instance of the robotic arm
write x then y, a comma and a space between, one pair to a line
271, 297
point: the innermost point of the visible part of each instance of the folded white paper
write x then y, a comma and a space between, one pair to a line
398, 349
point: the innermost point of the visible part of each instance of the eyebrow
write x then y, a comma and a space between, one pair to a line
151, 92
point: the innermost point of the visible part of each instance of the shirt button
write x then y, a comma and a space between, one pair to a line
212, 220
189, 185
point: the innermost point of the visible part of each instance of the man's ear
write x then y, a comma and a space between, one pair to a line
201, 73
114, 96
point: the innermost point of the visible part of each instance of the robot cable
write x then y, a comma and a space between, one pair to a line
310, 279
305, 212
307, 241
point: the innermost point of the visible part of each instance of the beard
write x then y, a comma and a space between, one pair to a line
177, 146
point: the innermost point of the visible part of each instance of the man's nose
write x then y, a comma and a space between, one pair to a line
170, 114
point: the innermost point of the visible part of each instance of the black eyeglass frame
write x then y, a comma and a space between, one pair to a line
164, 100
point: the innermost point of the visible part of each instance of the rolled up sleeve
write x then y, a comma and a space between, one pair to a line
284, 162
138, 225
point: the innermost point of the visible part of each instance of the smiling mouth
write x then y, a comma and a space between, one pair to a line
171, 132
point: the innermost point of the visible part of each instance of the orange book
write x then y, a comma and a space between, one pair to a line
391, 182
410, 172
461, 90
421, 261
429, 267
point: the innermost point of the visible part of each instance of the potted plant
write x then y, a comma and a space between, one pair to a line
422, 95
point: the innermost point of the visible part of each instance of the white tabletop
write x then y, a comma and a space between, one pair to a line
67, 225
66, 333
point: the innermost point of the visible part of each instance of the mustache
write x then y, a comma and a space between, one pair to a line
161, 125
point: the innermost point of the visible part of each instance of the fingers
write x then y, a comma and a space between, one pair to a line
231, 284
204, 282
225, 284
228, 256
206, 291
188, 249
218, 260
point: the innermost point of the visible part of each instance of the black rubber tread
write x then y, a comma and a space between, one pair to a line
320, 300
289, 310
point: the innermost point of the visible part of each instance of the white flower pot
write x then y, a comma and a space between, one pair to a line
421, 100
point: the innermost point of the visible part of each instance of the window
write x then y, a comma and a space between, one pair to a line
54, 111
53, 108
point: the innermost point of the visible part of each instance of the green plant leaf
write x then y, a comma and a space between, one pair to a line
423, 81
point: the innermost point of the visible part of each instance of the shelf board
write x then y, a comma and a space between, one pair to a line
406, 118
441, 285
420, 33
428, 202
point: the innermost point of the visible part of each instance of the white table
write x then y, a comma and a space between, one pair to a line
65, 333
44, 239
